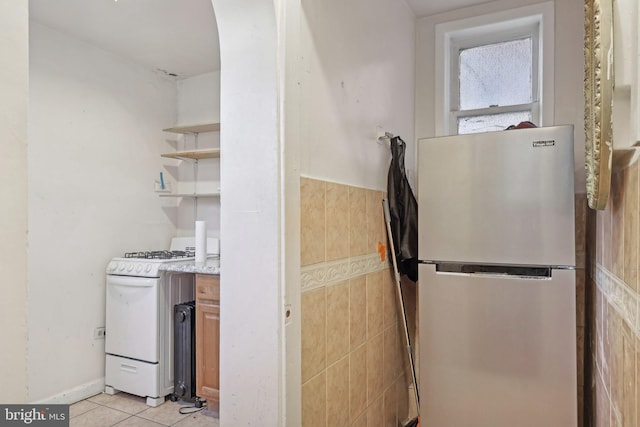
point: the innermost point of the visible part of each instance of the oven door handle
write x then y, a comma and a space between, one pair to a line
140, 282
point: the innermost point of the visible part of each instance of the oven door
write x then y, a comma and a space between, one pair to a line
132, 325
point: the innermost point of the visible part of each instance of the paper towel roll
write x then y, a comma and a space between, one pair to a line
201, 243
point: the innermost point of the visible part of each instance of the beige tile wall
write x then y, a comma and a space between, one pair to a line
580, 230
612, 299
353, 367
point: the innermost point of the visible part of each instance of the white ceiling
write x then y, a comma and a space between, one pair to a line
178, 37
175, 36
431, 7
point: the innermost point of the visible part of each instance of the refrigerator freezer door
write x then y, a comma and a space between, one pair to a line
497, 351
498, 197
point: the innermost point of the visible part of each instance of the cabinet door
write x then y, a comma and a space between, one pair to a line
208, 339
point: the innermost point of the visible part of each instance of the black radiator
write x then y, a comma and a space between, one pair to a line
184, 355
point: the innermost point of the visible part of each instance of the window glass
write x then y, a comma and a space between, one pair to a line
496, 75
495, 70
491, 122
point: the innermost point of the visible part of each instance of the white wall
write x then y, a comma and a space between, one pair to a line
625, 101
290, 66
568, 69
14, 86
199, 102
347, 68
95, 139
251, 284
357, 72
199, 99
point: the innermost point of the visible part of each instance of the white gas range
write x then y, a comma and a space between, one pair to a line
141, 291
179, 257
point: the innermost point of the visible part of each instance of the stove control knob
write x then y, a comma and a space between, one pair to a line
121, 267
113, 266
130, 267
148, 268
139, 268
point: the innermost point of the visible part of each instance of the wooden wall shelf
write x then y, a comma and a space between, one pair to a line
207, 127
195, 196
194, 155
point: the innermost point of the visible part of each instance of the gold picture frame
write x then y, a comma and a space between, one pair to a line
598, 90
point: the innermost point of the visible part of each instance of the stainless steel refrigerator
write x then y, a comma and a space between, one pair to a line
497, 307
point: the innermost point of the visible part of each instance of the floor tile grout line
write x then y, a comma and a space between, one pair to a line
130, 415
122, 420
114, 409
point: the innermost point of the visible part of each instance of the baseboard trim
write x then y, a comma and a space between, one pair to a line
76, 394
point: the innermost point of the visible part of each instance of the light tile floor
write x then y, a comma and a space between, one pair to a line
125, 410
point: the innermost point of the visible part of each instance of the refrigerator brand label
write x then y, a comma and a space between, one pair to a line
547, 143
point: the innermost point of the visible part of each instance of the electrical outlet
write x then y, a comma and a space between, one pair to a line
99, 333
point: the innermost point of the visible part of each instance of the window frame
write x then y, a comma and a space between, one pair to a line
460, 44
535, 21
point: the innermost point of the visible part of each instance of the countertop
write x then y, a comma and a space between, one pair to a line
212, 266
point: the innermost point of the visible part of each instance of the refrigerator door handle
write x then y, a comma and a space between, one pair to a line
525, 272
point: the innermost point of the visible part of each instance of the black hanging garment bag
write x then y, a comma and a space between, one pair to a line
404, 212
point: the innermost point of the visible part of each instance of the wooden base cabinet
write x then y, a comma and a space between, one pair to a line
208, 339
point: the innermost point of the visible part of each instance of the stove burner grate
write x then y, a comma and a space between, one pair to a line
160, 254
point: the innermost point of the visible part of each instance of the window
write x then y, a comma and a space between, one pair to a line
495, 70
495, 86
